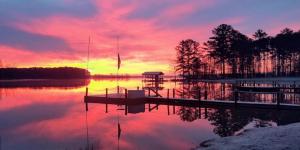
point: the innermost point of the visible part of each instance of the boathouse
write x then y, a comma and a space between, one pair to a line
153, 76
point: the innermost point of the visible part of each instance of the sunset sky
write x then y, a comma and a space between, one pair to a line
52, 33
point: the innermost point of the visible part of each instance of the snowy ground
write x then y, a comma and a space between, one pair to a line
268, 138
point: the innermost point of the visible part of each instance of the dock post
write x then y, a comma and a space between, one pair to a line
205, 95
86, 103
149, 92
173, 93
235, 97
205, 113
86, 106
126, 94
199, 96
118, 89
138, 88
168, 110
106, 108
106, 93
278, 99
173, 109
86, 91
126, 109
168, 93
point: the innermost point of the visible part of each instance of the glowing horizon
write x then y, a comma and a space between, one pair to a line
55, 33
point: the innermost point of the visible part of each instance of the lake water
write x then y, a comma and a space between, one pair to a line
51, 115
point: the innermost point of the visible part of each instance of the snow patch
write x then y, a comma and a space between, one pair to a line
267, 138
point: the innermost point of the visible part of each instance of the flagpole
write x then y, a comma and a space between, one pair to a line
88, 54
118, 67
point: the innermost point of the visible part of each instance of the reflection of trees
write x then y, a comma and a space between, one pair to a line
188, 90
188, 114
229, 121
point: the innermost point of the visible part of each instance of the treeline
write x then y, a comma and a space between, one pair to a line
230, 53
44, 73
113, 76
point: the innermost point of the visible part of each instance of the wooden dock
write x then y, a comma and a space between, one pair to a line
124, 100
187, 102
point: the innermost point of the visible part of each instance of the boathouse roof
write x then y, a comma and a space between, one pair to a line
153, 73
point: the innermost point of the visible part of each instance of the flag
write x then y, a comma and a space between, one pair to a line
119, 61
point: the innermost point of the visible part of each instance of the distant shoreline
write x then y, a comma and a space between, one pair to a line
44, 73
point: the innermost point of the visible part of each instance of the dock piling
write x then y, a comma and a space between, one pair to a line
168, 93
199, 95
86, 91
235, 97
173, 93
279, 98
86, 106
106, 93
106, 108
126, 94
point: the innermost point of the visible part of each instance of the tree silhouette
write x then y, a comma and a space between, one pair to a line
188, 60
235, 55
219, 44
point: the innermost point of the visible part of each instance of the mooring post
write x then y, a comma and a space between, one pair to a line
126, 109
106, 108
199, 110
235, 97
168, 93
199, 94
138, 88
205, 95
149, 92
168, 110
106, 93
173, 109
86, 106
86, 91
118, 89
126, 94
278, 99
173, 93
205, 113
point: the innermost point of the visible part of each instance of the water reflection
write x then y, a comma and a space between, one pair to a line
55, 118
226, 122
44, 83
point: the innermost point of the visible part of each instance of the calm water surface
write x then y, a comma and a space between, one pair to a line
51, 115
